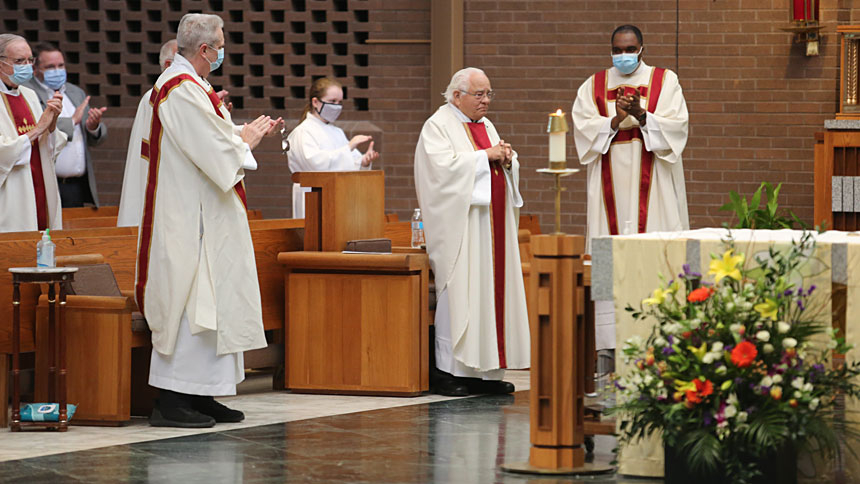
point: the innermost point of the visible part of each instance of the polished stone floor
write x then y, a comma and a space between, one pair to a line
453, 441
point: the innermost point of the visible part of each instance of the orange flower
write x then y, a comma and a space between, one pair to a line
700, 294
743, 354
703, 389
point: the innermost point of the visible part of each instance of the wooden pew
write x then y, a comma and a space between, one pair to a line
89, 212
118, 246
107, 218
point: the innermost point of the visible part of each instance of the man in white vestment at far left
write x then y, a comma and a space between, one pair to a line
29, 144
467, 181
196, 279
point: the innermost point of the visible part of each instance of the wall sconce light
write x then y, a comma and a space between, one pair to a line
804, 17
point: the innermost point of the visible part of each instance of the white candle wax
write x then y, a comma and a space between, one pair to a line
557, 148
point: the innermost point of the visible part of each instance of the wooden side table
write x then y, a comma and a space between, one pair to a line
52, 276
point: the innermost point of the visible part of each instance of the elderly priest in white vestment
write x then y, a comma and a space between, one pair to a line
467, 180
29, 144
196, 280
137, 157
630, 128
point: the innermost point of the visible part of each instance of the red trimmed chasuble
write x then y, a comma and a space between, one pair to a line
478, 133
602, 95
24, 120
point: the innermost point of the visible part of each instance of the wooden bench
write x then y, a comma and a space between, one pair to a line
118, 247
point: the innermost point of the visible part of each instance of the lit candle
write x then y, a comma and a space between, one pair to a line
557, 129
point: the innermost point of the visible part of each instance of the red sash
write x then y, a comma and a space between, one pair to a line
24, 120
478, 135
646, 169
152, 150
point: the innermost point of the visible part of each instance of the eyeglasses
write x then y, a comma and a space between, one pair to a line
22, 61
481, 94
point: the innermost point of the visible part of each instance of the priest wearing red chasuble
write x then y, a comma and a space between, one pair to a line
29, 143
467, 181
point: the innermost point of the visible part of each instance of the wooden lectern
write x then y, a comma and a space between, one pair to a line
342, 206
355, 323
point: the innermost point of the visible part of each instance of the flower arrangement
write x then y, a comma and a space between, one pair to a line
738, 368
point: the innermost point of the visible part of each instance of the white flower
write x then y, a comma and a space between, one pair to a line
831, 344
735, 328
807, 387
767, 348
742, 417
797, 383
797, 394
762, 335
660, 342
730, 307
789, 343
721, 370
709, 358
747, 306
730, 411
695, 323
783, 327
766, 382
813, 404
777, 379
648, 379
717, 347
732, 400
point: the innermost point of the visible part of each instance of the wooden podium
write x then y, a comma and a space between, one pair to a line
355, 323
342, 206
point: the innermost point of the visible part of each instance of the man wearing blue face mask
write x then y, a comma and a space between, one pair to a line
29, 141
75, 173
630, 128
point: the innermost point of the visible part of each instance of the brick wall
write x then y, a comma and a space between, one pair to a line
754, 98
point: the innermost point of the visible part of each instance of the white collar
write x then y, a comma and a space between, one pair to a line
462, 117
6, 90
181, 65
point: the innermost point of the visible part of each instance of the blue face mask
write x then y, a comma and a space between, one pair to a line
22, 73
215, 65
55, 78
626, 63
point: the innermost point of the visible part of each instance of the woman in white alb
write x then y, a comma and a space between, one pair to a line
318, 145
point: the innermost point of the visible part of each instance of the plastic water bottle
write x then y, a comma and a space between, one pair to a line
45, 251
417, 229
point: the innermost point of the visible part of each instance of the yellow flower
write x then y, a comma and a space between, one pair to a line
726, 267
699, 352
767, 309
657, 297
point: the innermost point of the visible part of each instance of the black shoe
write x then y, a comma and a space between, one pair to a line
477, 386
180, 417
222, 414
446, 384
450, 387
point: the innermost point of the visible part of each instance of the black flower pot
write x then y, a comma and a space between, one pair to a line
779, 467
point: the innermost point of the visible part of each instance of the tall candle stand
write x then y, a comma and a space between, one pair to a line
557, 129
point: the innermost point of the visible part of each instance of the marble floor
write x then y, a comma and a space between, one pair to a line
449, 441
300, 438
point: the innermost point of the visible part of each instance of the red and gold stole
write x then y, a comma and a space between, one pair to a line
151, 150
24, 120
601, 97
481, 141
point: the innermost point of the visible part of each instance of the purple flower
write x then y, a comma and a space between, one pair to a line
707, 419
619, 386
811, 288
788, 292
670, 339
667, 350
800, 305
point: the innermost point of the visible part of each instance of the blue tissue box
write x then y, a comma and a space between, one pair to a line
44, 412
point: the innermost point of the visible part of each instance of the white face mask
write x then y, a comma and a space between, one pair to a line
330, 111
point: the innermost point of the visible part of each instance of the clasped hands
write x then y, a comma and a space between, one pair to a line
48, 121
627, 105
502, 153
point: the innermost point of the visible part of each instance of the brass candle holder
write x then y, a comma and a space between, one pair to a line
557, 129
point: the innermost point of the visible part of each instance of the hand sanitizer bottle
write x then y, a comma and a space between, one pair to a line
45, 251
